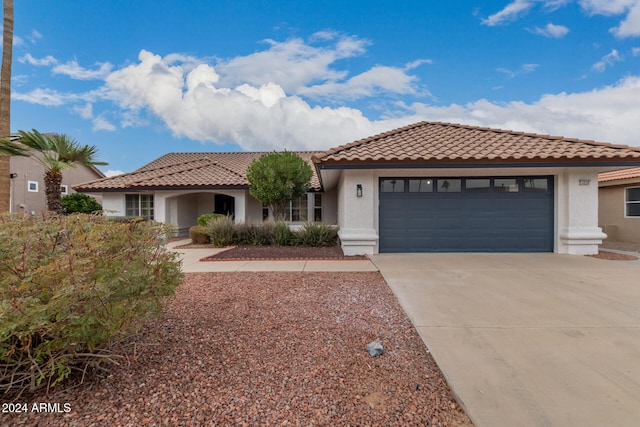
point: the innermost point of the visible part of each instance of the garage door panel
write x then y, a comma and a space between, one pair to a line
469, 222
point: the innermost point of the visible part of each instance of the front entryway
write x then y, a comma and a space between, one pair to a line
224, 205
466, 214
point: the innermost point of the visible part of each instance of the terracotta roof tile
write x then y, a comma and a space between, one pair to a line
447, 143
632, 173
189, 170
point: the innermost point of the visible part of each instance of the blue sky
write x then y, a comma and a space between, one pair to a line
140, 79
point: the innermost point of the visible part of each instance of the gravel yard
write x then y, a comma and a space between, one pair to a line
267, 349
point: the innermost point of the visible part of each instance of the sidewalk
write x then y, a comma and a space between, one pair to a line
191, 263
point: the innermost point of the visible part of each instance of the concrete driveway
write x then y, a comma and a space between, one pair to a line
528, 339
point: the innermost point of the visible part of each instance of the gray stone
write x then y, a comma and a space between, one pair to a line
375, 348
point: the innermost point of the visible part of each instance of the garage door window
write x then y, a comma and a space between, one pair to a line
449, 185
392, 185
632, 202
478, 185
505, 185
536, 185
420, 185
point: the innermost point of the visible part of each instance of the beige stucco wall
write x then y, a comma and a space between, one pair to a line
27, 170
611, 215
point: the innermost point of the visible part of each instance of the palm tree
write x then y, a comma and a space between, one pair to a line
54, 152
5, 99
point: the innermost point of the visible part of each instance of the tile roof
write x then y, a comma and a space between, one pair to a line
633, 173
189, 170
430, 143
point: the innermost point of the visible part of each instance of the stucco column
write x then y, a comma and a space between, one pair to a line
356, 215
240, 205
159, 207
579, 233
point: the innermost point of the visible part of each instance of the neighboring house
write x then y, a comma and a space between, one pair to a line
619, 204
27, 191
427, 187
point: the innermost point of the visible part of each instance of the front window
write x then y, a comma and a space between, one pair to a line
139, 205
301, 209
632, 202
298, 210
32, 186
64, 190
317, 207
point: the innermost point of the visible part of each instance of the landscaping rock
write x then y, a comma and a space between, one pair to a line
375, 348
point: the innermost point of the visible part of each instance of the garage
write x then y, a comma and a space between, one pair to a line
466, 214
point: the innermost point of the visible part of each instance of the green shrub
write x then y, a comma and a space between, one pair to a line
71, 288
317, 234
79, 203
283, 235
204, 219
255, 234
199, 235
222, 232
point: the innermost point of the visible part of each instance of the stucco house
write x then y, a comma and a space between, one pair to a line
426, 187
619, 204
27, 188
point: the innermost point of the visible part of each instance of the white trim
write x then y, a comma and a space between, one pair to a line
29, 186
64, 189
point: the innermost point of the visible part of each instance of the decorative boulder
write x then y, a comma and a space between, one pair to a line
375, 348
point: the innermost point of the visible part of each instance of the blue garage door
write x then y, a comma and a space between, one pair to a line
494, 214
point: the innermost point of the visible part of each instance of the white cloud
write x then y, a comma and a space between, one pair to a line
630, 25
100, 123
607, 61
35, 36
54, 98
46, 97
75, 71
379, 79
606, 7
523, 69
193, 104
86, 112
292, 64
551, 31
608, 114
635, 51
112, 172
47, 61
510, 13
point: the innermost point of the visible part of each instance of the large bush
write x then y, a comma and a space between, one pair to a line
71, 287
205, 219
79, 203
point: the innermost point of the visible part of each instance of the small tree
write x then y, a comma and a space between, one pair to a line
276, 178
79, 203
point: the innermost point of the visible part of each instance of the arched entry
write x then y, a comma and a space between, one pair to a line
224, 205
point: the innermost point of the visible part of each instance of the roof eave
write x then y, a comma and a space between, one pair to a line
473, 163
